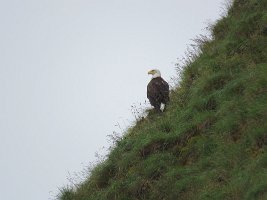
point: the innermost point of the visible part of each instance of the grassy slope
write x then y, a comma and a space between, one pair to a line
211, 143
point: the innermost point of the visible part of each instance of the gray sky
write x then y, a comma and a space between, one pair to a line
70, 70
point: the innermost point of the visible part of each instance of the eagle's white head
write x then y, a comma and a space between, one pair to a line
155, 73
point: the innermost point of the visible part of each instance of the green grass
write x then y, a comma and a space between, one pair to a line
211, 143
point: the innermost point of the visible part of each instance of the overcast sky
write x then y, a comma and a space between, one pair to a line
70, 71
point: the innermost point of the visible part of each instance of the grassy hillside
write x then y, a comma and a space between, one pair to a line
211, 143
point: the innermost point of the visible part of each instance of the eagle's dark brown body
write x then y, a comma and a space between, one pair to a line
158, 92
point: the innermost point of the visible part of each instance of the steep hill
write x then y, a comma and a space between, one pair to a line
211, 143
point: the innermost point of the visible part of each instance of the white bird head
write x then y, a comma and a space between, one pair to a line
155, 73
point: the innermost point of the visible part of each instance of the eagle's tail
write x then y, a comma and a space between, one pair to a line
162, 107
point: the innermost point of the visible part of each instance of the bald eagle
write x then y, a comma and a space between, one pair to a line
157, 91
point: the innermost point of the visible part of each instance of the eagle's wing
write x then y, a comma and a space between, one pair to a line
163, 89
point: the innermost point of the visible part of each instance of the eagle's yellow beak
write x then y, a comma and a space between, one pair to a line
151, 72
